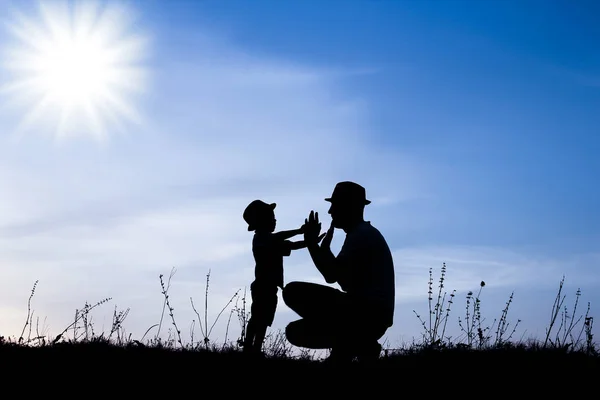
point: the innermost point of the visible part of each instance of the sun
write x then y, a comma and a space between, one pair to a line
75, 69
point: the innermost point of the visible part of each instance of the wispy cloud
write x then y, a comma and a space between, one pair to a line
467, 266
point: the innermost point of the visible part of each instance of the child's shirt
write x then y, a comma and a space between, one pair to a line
268, 254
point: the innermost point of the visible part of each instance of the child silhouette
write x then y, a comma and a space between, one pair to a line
268, 249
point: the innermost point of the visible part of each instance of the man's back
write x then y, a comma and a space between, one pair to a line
367, 269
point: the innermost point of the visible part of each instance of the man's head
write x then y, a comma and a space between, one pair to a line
260, 216
348, 202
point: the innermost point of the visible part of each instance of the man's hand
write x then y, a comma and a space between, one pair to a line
312, 229
328, 237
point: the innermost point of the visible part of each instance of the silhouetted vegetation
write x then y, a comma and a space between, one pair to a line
568, 343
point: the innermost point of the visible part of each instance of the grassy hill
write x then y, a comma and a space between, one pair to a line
134, 370
484, 357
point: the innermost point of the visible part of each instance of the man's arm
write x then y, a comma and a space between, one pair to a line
321, 255
323, 258
325, 261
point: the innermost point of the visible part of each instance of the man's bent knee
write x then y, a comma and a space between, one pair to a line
290, 293
293, 334
302, 333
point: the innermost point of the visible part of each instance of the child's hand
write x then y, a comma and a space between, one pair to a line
302, 229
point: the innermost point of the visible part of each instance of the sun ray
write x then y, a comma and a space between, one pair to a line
56, 18
116, 103
78, 64
114, 118
33, 115
96, 127
63, 121
86, 15
19, 86
26, 31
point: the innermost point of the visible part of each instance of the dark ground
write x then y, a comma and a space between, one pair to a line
125, 371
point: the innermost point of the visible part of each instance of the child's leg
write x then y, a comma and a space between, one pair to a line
250, 335
264, 303
261, 331
251, 327
268, 308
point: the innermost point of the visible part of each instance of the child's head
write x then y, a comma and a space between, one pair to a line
260, 216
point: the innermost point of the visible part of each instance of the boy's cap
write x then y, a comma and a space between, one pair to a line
255, 210
349, 192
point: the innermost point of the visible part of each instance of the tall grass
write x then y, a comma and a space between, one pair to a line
565, 330
568, 330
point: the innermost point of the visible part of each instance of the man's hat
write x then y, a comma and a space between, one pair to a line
255, 210
349, 192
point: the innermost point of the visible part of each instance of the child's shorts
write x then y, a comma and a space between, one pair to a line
264, 303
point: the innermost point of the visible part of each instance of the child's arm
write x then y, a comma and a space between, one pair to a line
301, 244
283, 235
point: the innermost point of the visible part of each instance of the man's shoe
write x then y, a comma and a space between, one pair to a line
369, 352
339, 356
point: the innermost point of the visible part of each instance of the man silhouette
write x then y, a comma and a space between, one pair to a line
352, 320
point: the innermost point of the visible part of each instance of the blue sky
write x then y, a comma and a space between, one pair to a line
471, 124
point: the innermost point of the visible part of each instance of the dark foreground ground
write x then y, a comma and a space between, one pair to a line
138, 371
